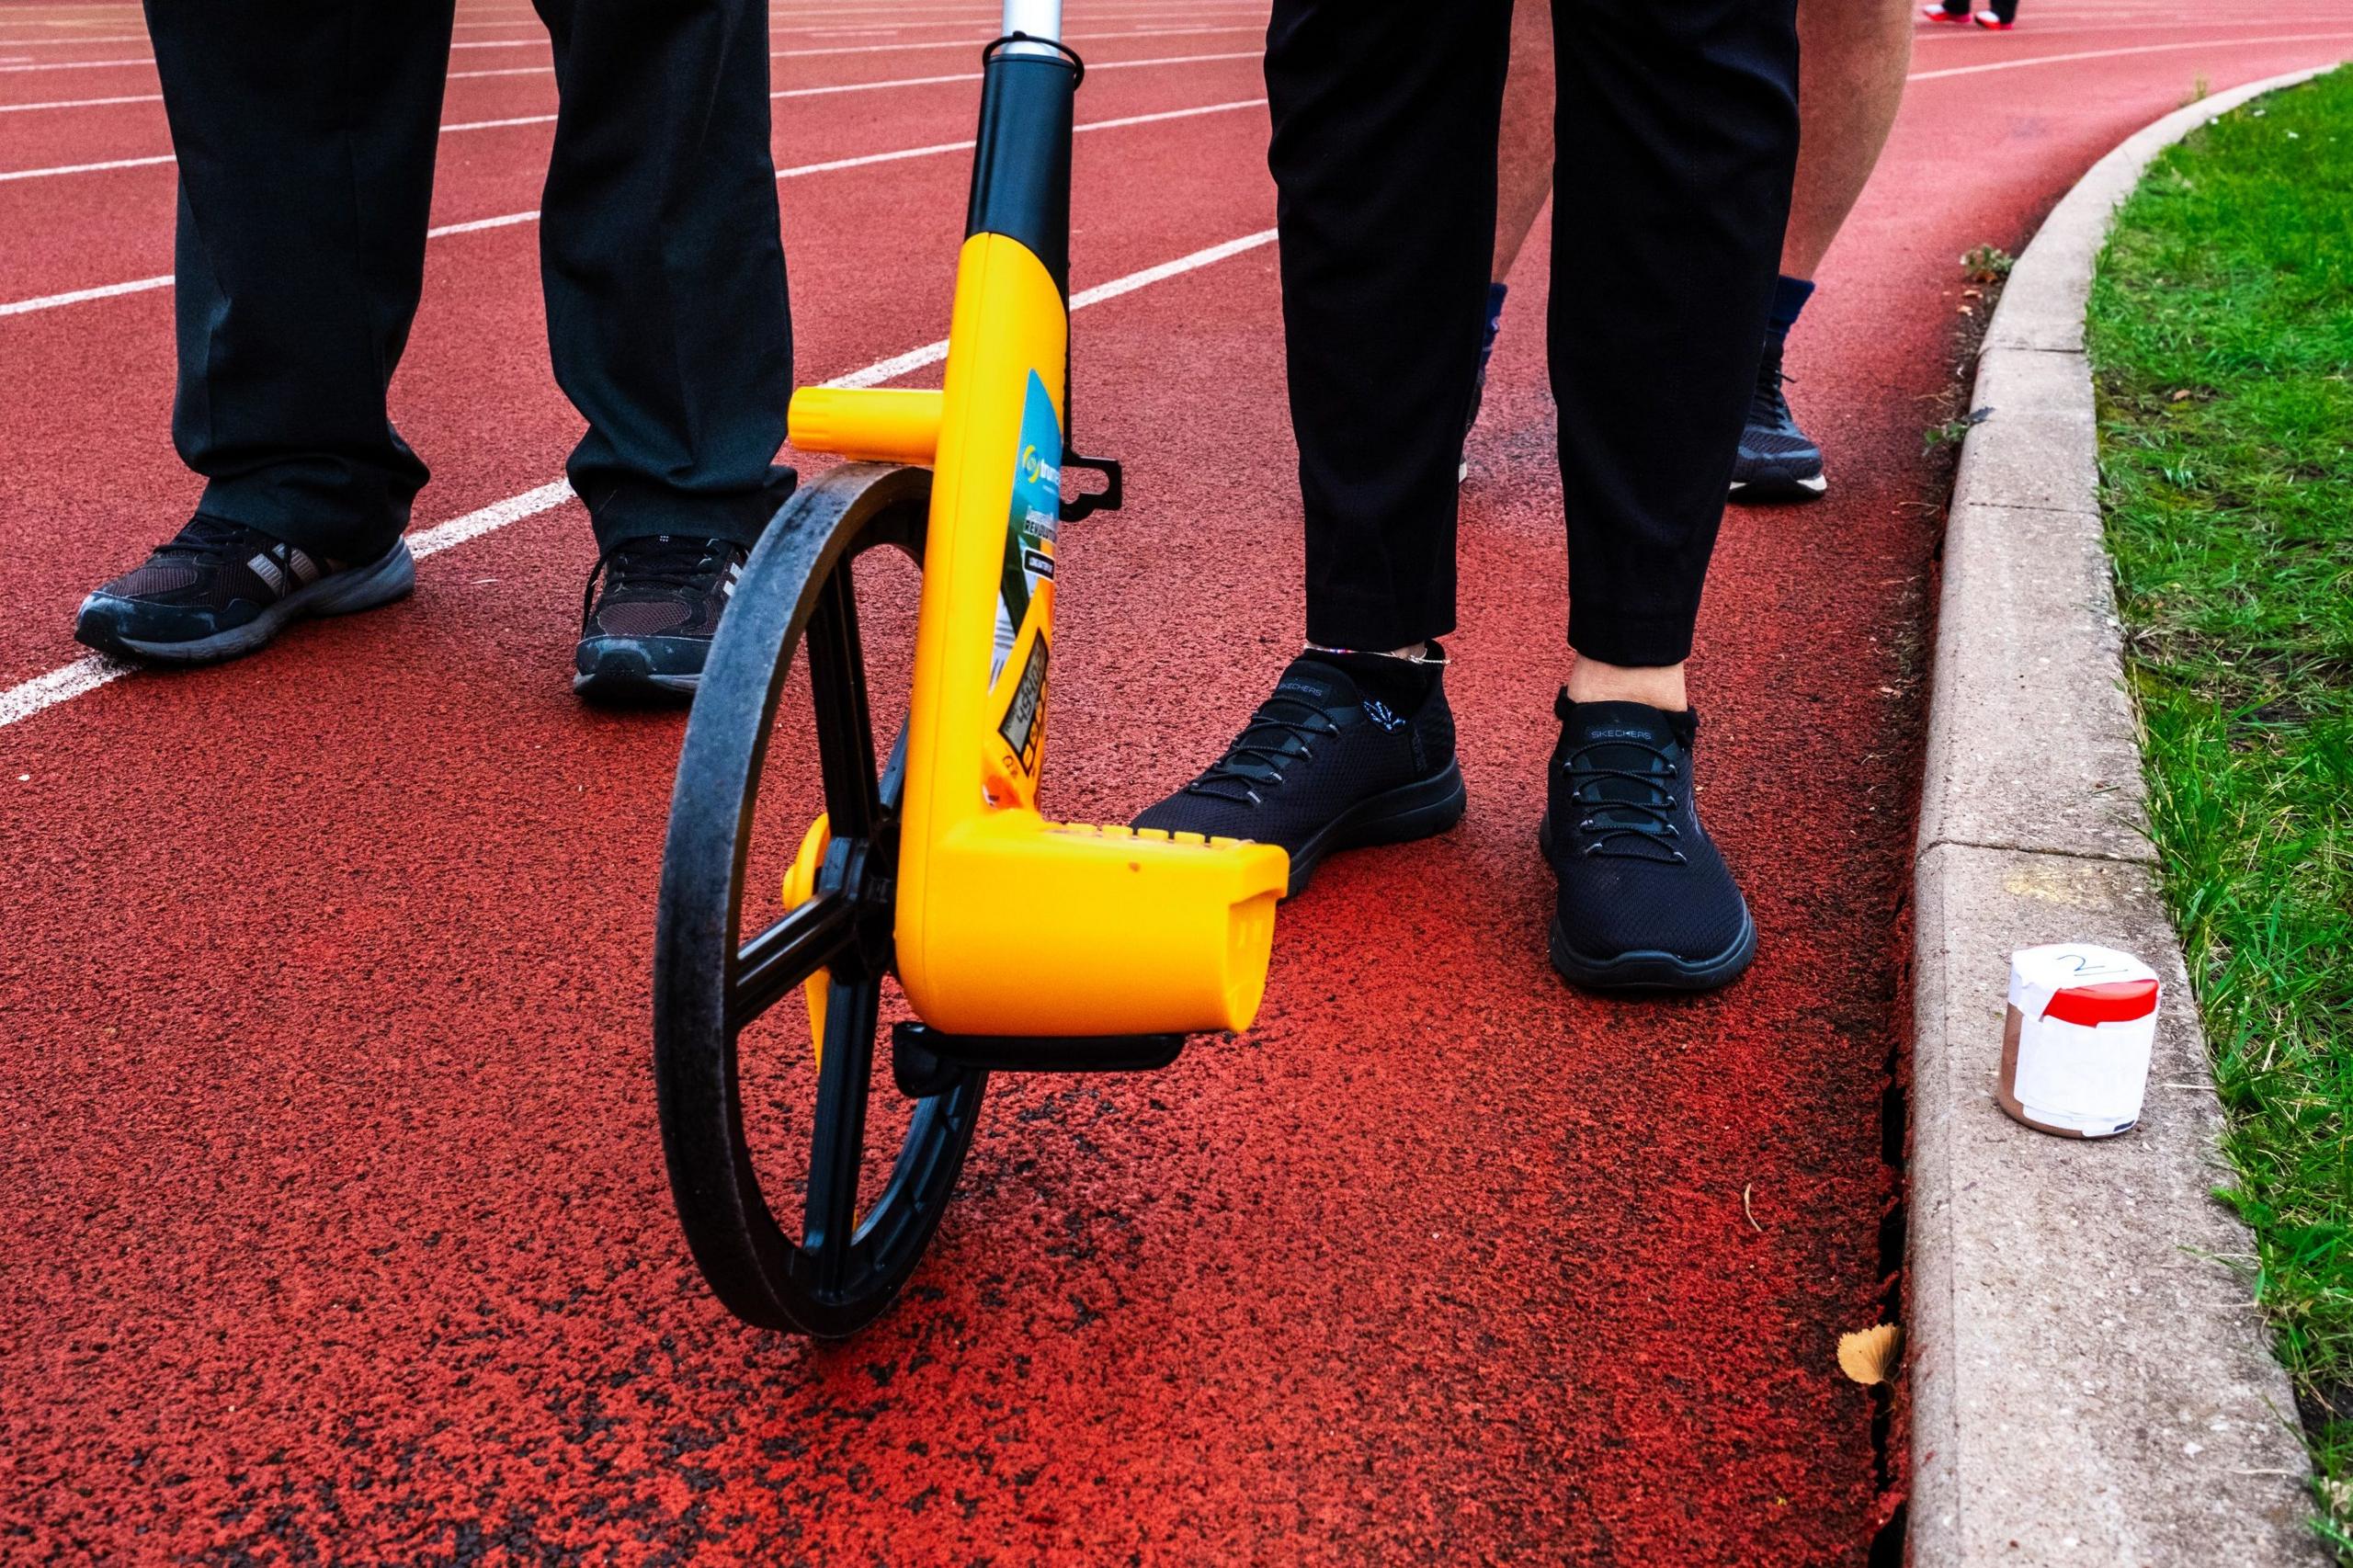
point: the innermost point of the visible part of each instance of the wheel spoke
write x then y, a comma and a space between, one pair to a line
773, 963
837, 692
838, 1144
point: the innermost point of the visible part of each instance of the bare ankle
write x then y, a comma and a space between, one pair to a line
1655, 685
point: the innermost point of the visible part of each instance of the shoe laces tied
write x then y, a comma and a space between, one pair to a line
1633, 824
1267, 745
657, 562
1768, 404
208, 538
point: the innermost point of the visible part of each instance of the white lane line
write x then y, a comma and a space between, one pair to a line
549, 119
84, 103
2112, 53
966, 25
489, 520
1976, 36
860, 162
973, 41
77, 64
83, 675
508, 219
61, 684
832, 89
79, 296
87, 169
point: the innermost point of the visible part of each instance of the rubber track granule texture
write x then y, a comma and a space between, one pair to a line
335, 1226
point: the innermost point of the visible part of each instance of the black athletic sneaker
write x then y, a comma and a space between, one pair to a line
1646, 903
220, 589
1777, 461
1321, 766
649, 631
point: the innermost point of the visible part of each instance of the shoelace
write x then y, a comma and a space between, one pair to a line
216, 541
1252, 762
1649, 823
1767, 404
207, 538
662, 562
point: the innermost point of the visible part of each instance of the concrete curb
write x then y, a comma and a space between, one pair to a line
2090, 1383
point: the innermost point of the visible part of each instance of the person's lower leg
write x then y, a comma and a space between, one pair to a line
1852, 59
1387, 231
667, 319
1654, 685
1524, 147
296, 285
1650, 418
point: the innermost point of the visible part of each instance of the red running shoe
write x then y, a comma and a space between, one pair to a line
1938, 14
1992, 23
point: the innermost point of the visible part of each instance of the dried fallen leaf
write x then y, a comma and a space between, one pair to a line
2181, 396
1869, 1354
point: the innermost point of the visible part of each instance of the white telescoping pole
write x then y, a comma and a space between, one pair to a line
1038, 18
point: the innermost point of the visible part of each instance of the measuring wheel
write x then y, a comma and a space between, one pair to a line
843, 1262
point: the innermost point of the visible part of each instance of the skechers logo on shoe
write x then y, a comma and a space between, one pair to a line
1379, 714
1308, 690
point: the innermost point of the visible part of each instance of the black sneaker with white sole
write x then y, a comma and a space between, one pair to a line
1321, 768
648, 631
222, 588
1776, 461
1646, 903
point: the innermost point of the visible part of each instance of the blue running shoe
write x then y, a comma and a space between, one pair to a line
1777, 461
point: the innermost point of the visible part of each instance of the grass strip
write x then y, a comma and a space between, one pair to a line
2221, 343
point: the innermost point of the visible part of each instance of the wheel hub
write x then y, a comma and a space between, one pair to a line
864, 873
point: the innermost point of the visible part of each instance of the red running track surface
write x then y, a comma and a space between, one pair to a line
333, 1210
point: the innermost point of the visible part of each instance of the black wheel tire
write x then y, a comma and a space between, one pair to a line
709, 983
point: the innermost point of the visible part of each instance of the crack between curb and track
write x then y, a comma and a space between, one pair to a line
1922, 851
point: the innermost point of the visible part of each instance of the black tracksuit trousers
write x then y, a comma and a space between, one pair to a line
306, 132
1677, 136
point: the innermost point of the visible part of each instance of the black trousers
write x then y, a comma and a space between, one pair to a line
1676, 137
306, 132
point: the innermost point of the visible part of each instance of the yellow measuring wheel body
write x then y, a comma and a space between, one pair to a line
1010, 924
1019, 943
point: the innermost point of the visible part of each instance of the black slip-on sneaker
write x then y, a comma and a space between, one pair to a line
1645, 902
1321, 768
1776, 461
648, 631
222, 588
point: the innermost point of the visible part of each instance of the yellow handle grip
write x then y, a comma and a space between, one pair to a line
870, 423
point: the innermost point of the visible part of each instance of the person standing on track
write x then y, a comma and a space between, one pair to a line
1853, 58
306, 132
2001, 18
1680, 120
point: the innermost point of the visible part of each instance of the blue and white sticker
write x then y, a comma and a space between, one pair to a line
1036, 516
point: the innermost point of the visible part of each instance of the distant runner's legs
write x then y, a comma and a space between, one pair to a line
1853, 58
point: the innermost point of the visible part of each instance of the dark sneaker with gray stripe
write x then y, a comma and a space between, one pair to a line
1777, 461
220, 589
647, 633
